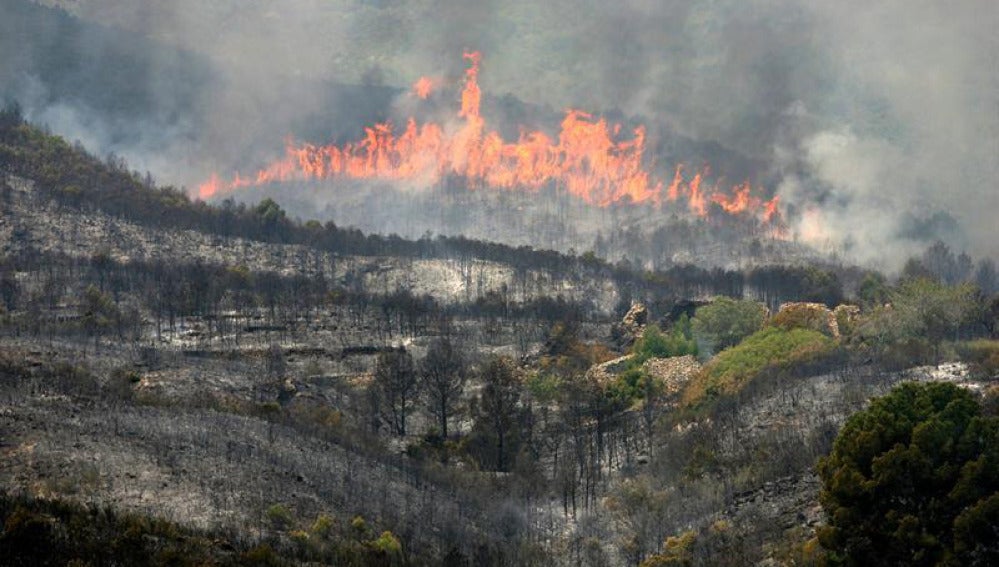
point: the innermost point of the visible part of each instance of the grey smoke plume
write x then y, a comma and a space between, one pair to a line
910, 126
870, 116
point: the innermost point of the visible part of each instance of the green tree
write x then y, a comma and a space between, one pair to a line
726, 321
271, 216
986, 277
270, 211
938, 310
921, 310
97, 311
914, 480
873, 290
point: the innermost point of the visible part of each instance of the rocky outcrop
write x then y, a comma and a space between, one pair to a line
790, 501
636, 317
631, 326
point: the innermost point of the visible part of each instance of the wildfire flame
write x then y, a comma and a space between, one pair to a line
587, 160
423, 87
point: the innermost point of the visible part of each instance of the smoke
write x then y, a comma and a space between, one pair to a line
871, 120
873, 116
908, 133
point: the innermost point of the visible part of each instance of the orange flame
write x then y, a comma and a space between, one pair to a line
673, 193
695, 198
587, 160
423, 87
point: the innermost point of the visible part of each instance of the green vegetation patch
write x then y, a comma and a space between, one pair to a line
726, 321
655, 344
59, 532
772, 347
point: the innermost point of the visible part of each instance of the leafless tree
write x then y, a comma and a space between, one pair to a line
443, 374
395, 386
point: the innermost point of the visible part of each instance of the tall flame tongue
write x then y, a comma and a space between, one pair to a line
587, 161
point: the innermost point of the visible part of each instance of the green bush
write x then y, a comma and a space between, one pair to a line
279, 517
632, 384
628, 387
920, 310
543, 386
387, 544
677, 552
735, 367
54, 532
726, 321
263, 556
359, 526
906, 353
322, 528
655, 344
846, 320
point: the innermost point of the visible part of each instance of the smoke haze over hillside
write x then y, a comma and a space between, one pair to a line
869, 117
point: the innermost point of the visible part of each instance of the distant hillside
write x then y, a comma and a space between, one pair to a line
70, 177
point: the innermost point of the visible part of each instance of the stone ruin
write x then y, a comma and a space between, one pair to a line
815, 316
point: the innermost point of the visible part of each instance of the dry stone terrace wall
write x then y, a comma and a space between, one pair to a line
674, 372
29, 221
